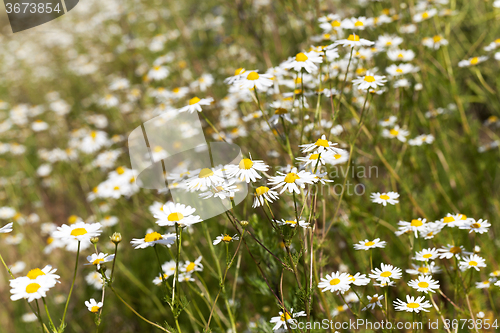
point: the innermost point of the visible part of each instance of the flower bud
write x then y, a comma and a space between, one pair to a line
94, 240
116, 238
244, 223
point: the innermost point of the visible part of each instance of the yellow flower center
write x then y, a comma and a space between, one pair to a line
261, 190
322, 143
384, 197
369, 243
400, 55
285, 317
374, 300
227, 238
246, 164
176, 90
326, 36
423, 270
190, 267
427, 255
314, 156
252, 76
358, 24
474, 61
291, 177
463, 217
369, 78
353, 38
476, 225
423, 284
34, 273
416, 223
72, 219
448, 219
97, 261
386, 274
239, 71
301, 57
290, 222
94, 309
280, 111
337, 156
425, 15
205, 172
120, 170
78, 232
175, 216
32, 288
334, 282
93, 134
399, 70
436, 39
413, 305
194, 100
152, 237
472, 263
335, 24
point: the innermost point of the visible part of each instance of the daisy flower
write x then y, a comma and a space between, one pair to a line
98, 259
292, 181
153, 238
424, 269
29, 289
93, 306
79, 231
483, 284
6, 228
192, 266
176, 213
396, 132
305, 61
225, 238
263, 193
385, 198
352, 41
415, 225
478, 226
238, 73
312, 160
426, 254
359, 279
195, 104
184, 277
388, 122
455, 220
158, 73
205, 178
424, 283
321, 145
366, 244
472, 261
284, 318
386, 41
373, 301
246, 170
293, 223
472, 61
431, 229
434, 42
386, 273
419, 17
169, 267
355, 23
341, 156
412, 304
370, 80
400, 55
222, 190
335, 282
421, 139
253, 79
401, 69
384, 284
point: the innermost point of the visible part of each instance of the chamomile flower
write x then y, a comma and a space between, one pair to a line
415, 225
321, 145
419, 17
158, 73
246, 170
472, 61
153, 238
79, 231
424, 283
385, 198
176, 213
412, 304
431, 229
192, 266
426, 254
195, 104
455, 220
284, 318
254, 80
293, 223
29, 289
225, 238
483, 284
306, 61
204, 179
93, 306
99, 259
313, 160
401, 69
359, 279
388, 122
400, 55
424, 269
386, 273
478, 226
341, 156
369, 81
335, 282
387, 41
396, 132
434, 42
352, 41
421, 139
355, 23
222, 190
373, 301
472, 261
6, 228
292, 181
367, 244
238, 74
263, 194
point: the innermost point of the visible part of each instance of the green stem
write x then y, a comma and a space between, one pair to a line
72, 285
52, 326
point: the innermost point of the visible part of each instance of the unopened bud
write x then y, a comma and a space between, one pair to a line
116, 238
94, 240
244, 223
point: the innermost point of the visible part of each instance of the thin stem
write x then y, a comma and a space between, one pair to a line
39, 316
72, 285
48, 314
